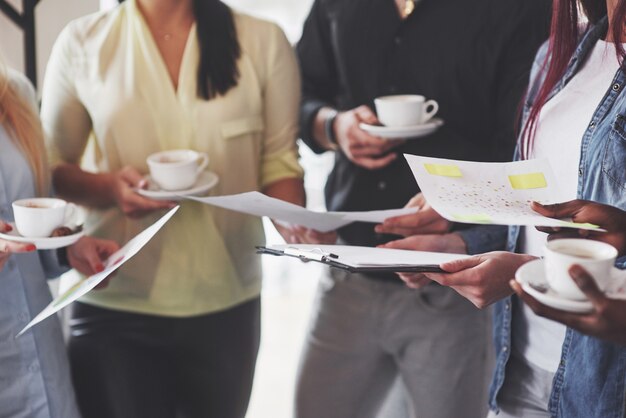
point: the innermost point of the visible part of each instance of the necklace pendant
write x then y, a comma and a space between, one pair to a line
409, 6
167, 37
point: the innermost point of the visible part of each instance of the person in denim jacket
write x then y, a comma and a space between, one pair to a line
589, 379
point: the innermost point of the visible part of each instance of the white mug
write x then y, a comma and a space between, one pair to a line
38, 217
405, 110
596, 257
177, 169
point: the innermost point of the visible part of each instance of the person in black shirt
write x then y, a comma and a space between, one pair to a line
473, 58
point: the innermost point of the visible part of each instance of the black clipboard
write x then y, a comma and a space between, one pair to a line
333, 260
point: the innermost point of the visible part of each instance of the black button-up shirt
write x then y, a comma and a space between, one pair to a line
472, 56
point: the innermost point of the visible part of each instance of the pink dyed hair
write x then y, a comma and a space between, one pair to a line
564, 37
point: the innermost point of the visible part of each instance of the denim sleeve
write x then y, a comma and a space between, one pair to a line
52, 266
481, 239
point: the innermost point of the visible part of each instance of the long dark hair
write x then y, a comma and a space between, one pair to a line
219, 48
564, 37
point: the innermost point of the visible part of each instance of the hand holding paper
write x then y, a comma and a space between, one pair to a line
258, 204
115, 261
490, 193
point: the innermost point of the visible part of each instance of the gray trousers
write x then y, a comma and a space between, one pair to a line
365, 333
526, 390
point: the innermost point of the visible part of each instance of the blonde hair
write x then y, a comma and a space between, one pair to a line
24, 128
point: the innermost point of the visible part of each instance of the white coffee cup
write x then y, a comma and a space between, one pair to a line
405, 110
596, 257
38, 217
177, 169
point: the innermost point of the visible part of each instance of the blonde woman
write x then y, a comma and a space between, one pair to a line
34, 374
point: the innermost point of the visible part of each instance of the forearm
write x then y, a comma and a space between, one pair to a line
89, 189
290, 190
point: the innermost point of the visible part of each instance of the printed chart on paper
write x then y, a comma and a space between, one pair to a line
489, 193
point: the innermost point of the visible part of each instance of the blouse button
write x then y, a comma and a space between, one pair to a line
382, 185
616, 87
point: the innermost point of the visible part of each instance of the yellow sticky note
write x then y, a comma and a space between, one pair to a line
528, 181
478, 218
445, 170
579, 226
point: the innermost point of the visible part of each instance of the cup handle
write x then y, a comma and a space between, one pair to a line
205, 162
429, 114
71, 213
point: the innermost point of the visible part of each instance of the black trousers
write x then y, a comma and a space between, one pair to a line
126, 365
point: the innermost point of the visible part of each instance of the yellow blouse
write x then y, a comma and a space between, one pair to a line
107, 81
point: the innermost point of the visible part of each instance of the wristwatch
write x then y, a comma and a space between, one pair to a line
328, 126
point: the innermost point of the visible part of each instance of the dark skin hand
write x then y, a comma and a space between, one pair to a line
607, 321
610, 218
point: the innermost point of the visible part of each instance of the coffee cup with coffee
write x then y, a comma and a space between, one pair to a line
405, 110
177, 169
596, 257
38, 217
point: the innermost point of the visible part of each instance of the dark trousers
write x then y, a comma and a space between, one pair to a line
126, 365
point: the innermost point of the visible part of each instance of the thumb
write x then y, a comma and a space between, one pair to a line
92, 257
462, 264
586, 283
558, 210
106, 248
132, 177
366, 115
417, 201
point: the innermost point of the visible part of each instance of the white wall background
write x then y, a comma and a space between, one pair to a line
51, 16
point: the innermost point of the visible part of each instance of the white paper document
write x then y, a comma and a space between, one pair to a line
114, 262
490, 193
258, 204
365, 258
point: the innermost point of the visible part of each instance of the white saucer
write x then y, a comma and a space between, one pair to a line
48, 243
406, 132
532, 278
206, 181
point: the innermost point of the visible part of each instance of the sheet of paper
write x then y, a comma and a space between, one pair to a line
258, 204
355, 256
114, 262
489, 193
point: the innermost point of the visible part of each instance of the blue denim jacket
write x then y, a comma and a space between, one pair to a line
591, 379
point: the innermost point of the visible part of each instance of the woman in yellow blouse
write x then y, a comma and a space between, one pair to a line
178, 331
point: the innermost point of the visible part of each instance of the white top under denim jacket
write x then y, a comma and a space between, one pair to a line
591, 378
34, 371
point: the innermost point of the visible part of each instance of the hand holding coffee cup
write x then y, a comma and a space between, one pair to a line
177, 169
595, 257
39, 217
405, 110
